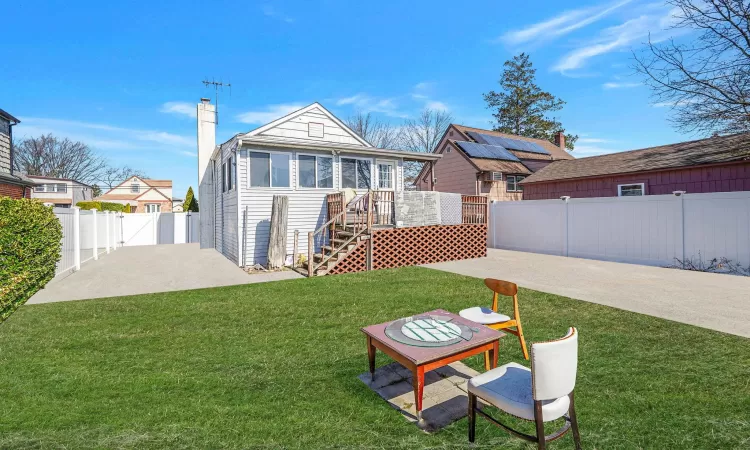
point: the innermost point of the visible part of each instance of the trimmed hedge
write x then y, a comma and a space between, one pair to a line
104, 206
30, 241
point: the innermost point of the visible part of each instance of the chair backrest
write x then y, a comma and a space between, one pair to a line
553, 367
501, 287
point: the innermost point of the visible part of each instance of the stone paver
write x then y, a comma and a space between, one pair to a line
444, 400
148, 269
717, 301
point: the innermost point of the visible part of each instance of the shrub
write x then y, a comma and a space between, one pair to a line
30, 236
102, 206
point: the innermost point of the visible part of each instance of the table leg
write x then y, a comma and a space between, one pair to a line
494, 353
371, 357
418, 383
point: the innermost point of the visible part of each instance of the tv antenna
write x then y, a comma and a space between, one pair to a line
217, 85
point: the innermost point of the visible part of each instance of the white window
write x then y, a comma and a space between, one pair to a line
223, 177
497, 176
135, 187
269, 169
513, 183
315, 129
153, 207
315, 171
385, 175
631, 190
355, 173
40, 188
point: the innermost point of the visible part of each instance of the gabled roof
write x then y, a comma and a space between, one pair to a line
158, 183
719, 149
258, 131
153, 185
8, 117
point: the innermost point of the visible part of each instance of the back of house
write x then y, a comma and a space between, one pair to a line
304, 156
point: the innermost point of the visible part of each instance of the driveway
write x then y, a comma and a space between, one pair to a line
719, 302
151, 268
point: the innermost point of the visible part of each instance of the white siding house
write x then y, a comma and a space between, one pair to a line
305, 156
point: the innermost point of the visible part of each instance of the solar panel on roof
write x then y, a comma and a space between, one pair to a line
476, 150
512, 144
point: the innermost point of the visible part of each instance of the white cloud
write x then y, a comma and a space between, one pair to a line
424, 85
436, 105
561, 25
179, 108
585, 140
675, 103
272, 12
617, 38
619, 85
271, 113
103, 136
368, 103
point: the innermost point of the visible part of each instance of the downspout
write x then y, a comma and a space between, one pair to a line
237, 184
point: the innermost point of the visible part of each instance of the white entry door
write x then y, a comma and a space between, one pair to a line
386, 174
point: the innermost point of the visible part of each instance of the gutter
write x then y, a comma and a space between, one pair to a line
406, 155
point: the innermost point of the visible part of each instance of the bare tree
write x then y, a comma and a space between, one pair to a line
423, 134
376, 132
112, 176
706, 82
50, 156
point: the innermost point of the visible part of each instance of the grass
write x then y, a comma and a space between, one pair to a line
275, 366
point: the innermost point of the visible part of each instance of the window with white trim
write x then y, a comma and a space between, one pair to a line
135, 187
355, 173
514, 183
223, 177
153, 207
315, 171
269, 169
496, 176
385, 175
56, 187
631, 190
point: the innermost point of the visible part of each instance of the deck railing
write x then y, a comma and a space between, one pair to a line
474, 209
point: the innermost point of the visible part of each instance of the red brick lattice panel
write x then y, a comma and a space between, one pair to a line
356, 261
399, 247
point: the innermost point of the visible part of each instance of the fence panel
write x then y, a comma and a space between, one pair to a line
139, 229
652, 230
67, 257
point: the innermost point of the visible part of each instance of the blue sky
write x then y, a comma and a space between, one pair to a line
125, 76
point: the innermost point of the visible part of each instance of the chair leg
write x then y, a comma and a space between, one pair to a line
472, 416
539, 419
574, 423
520, 338
487, 364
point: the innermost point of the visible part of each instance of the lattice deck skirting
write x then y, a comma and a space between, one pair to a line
399, 247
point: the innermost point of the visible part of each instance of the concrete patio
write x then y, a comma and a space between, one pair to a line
149, 269
717, 301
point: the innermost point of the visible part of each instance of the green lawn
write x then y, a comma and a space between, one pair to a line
275, 365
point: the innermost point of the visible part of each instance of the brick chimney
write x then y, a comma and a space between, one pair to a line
560, 139
206, 135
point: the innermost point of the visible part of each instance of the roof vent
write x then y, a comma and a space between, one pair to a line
315, 130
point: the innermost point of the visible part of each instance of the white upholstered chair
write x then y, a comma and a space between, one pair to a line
542, 394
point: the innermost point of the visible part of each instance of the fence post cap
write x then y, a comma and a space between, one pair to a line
565, 198
679, 193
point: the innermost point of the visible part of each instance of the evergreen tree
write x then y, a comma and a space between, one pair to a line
521, 107
190, 203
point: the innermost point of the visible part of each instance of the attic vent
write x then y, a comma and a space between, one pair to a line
315, 130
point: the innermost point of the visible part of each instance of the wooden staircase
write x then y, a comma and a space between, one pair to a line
349, 227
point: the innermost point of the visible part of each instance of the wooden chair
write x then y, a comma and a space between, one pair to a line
542, 394
493, 319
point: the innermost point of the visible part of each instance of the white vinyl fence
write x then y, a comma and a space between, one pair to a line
651, 230
88, 234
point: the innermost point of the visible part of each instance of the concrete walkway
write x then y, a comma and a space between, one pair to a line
719, 302
152, 268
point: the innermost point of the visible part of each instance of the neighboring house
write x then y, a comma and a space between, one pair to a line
177, 205
60, 192
143, 195
716, 164
489, 163
305, 156
12, 183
